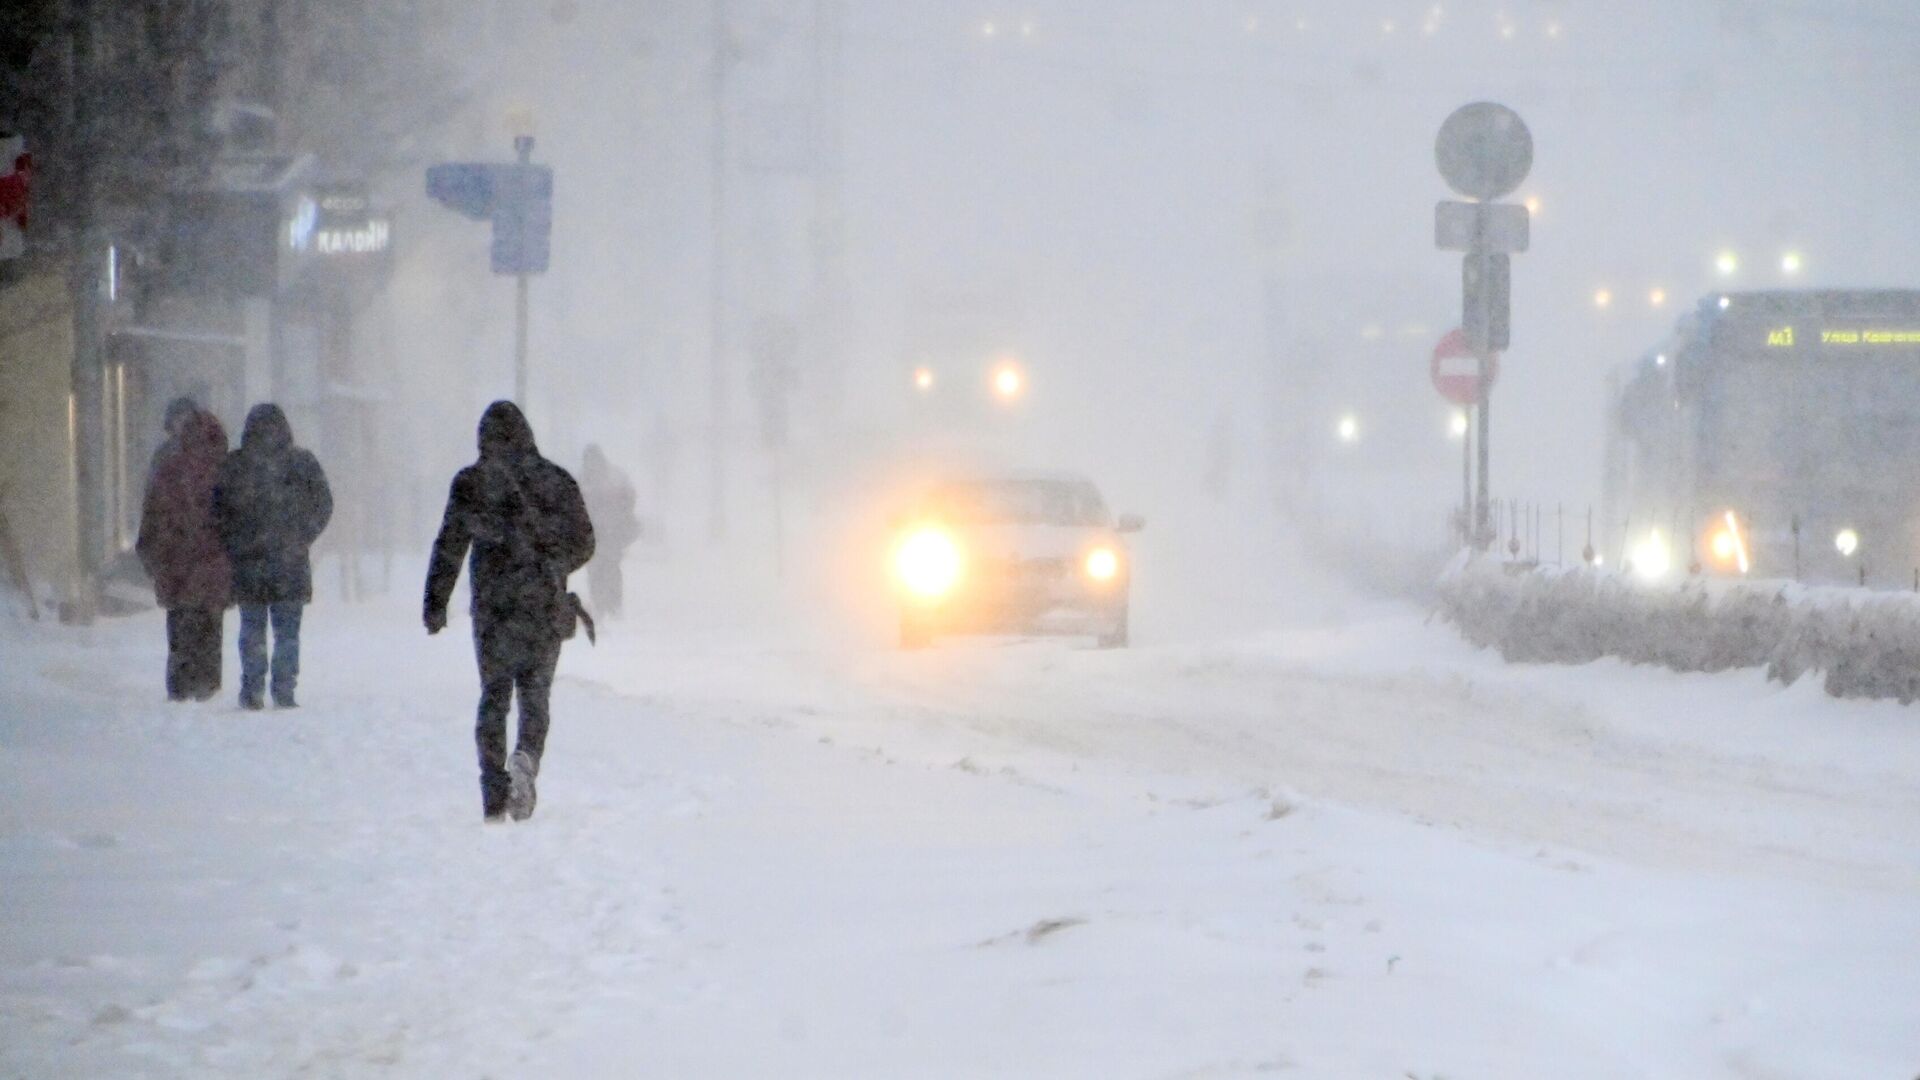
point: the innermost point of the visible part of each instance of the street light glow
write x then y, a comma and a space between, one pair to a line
1348, 429
1008, 381
923, 379
1790, 263
1533, 205
1457, 426
1726, 263
1603, 298
1657, 297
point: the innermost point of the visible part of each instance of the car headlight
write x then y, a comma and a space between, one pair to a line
1728, 545
1652, 556
1846, 542
1103, 564
928, 563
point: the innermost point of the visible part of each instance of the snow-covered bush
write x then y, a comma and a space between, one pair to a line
1867, 644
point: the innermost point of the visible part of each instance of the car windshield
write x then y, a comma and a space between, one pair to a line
1022, 502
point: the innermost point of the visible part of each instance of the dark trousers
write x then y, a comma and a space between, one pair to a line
254, 620
514, 658
193, 652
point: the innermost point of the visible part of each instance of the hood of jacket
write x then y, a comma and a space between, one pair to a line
201, 434
505, 433
267, 430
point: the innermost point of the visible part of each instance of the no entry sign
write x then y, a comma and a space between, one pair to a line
1456, 371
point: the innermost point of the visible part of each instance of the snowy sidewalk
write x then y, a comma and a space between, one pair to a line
1297, 854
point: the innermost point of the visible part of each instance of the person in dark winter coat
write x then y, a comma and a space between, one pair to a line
609, 496
527, 528
181, 549
271, 503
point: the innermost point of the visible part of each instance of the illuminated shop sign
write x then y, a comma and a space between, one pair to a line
338, 221
1784, 337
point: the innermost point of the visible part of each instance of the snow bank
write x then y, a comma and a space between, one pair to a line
1866, 644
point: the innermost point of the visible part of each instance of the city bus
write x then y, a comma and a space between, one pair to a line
1773, 434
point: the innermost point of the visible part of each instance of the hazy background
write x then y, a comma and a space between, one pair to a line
1196, 223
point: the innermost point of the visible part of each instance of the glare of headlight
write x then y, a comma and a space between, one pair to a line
1652, 556
1008, 382
1846, 542
1458, 424
923, 379
1348, 429
1727, 263
1102, 564
928, 563
1729, 544
1726, 302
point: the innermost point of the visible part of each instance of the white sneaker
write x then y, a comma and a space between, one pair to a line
520, 796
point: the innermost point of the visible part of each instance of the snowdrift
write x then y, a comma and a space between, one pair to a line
1865, 644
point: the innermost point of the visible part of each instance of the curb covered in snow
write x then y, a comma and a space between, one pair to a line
1867, 644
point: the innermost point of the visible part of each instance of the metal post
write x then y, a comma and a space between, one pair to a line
717, 334
1483, 523
522, 146
1466, 482
520, 342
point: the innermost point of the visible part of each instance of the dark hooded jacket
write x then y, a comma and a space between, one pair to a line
178, 543
271, 503
526, 525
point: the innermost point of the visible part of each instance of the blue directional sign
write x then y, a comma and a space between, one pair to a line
517, 198
522, 219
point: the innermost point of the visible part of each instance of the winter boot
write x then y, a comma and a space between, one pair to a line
521, 768
251, 702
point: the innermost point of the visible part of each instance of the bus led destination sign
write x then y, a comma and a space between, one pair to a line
1783, 337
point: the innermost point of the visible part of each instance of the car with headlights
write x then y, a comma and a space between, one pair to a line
1024, 553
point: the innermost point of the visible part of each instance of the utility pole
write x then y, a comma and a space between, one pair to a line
827, 371
717, 336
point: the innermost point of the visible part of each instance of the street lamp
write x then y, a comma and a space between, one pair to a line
1791, 263
923, 379
1726, 263
1348, 429
1657, 297
1603, 298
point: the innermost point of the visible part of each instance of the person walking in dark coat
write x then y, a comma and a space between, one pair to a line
271, 503
527, 528
181, 549
609, 496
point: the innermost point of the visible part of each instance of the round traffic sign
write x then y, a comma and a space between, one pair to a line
1456, 371
1484, 150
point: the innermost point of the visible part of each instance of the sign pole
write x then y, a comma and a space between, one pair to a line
1466, 477
1484, 151
523, 146
1482, 523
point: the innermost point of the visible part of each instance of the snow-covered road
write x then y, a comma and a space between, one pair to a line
1346, 846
